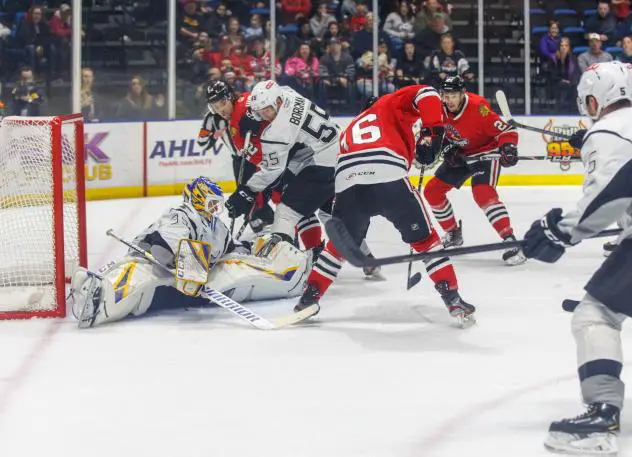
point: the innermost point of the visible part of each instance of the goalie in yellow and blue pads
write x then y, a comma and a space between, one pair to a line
194, 242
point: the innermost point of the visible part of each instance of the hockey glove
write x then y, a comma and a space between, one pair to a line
577, 138
248, 123
544, 241
452, 156
241, 202
424, 155
508, 155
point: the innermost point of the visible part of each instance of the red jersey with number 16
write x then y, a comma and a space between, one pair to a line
379, 144
476, 128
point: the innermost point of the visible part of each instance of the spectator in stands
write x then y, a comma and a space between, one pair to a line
294, 41
301, 71
190, 22
321, 20
427, 13
348, 7
27, 96
386, 71
61, 29
293, 10
563, 76
260, 63
336, 73
594, 54
33, 35
621, 9
603, 23
429, 38
410, 67
358, 20
139, 104
242, 64
363, 40
217, 23
626, 55
256, 28
88, 97
203, 57
333, 31
399, 26
550, 43
448, 61
233, 33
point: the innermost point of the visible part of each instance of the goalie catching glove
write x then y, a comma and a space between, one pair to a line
241, 202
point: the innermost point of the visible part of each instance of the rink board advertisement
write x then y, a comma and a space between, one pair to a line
114, 160
158, 158
174, 157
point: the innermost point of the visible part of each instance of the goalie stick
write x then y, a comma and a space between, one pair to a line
501, 99
350, 251
221, 300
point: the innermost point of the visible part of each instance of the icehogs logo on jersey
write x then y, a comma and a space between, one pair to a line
453, 135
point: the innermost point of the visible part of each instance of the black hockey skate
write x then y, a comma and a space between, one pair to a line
453, 238
457, 307
609, 247
591, 433
513, 256
310, 297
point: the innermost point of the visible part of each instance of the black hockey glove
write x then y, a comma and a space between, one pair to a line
241, 202
508, 155
577, 138
544, 241
452, 156
424, 154
248, 123
429, 146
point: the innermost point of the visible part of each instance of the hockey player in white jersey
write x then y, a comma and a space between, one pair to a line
299, 146
128, 287
603, 94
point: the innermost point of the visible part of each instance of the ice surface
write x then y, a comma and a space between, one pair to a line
382, 372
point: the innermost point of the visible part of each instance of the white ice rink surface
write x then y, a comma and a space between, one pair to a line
382, 372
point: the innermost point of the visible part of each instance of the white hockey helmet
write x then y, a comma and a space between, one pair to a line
264, 94
607, 83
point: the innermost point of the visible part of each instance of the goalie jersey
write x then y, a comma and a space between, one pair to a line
607, 158
301, 135
162, 238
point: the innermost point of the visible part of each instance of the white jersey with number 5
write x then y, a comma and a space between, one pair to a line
301, 135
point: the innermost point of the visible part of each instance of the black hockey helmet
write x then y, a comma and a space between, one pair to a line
370, 102
218, 90
452, 84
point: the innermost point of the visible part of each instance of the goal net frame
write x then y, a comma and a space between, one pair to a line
58, 308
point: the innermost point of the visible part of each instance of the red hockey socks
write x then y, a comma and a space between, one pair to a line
487, 198
435, 193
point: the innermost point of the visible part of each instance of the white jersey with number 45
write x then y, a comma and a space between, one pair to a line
301, 135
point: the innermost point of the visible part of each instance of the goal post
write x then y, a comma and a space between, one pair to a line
42, 213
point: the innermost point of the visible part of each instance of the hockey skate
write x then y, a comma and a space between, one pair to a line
310, 297
453, 238
457, 307
591, 433
609, 247
513, 256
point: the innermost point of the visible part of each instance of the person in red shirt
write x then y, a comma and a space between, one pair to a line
376, 153
293, 10
474, 131
232, 115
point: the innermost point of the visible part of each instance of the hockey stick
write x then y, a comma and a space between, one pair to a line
412, 281
240, 175
501, 98
221, 300
345, 244
497, 156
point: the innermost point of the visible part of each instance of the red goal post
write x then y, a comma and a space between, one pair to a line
42, 213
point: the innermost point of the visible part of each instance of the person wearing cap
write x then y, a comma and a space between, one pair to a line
594, 54
604, 23
336, 71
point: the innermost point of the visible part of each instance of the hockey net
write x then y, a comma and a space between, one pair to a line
42, 213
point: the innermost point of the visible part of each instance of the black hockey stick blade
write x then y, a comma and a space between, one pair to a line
413, 280
346, 245
569, 305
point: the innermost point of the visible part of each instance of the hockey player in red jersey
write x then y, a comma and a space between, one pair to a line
473, 130
376, 153
231, 114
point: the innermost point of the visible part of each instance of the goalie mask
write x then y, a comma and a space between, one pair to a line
205, 196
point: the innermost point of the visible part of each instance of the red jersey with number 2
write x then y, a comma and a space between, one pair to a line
477, 129
379, 144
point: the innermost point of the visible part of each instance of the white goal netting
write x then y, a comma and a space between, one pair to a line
31, 230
